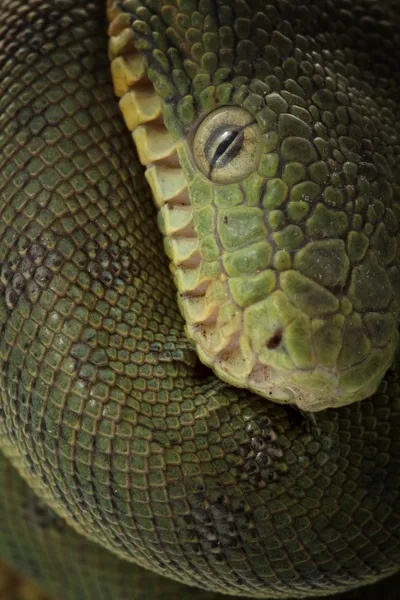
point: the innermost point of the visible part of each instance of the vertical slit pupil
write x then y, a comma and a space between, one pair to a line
228, 139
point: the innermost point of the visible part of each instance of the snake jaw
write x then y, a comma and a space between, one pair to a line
236, 363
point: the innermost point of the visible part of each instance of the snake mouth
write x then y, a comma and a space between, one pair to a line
158, 152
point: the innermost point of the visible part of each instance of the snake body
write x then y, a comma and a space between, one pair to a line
131, 453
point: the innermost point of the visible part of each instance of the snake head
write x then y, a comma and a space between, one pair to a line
274, 162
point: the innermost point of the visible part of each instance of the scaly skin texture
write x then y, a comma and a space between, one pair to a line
39, 544
42, 546
104, 410
289, 277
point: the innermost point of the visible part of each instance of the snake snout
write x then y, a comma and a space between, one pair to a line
290, 351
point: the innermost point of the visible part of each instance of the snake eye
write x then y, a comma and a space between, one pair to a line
227, 145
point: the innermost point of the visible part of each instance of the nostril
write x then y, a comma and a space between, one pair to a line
275, 340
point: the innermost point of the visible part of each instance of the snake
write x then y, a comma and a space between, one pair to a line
199, 298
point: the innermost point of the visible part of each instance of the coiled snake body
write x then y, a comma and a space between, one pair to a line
269, 133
